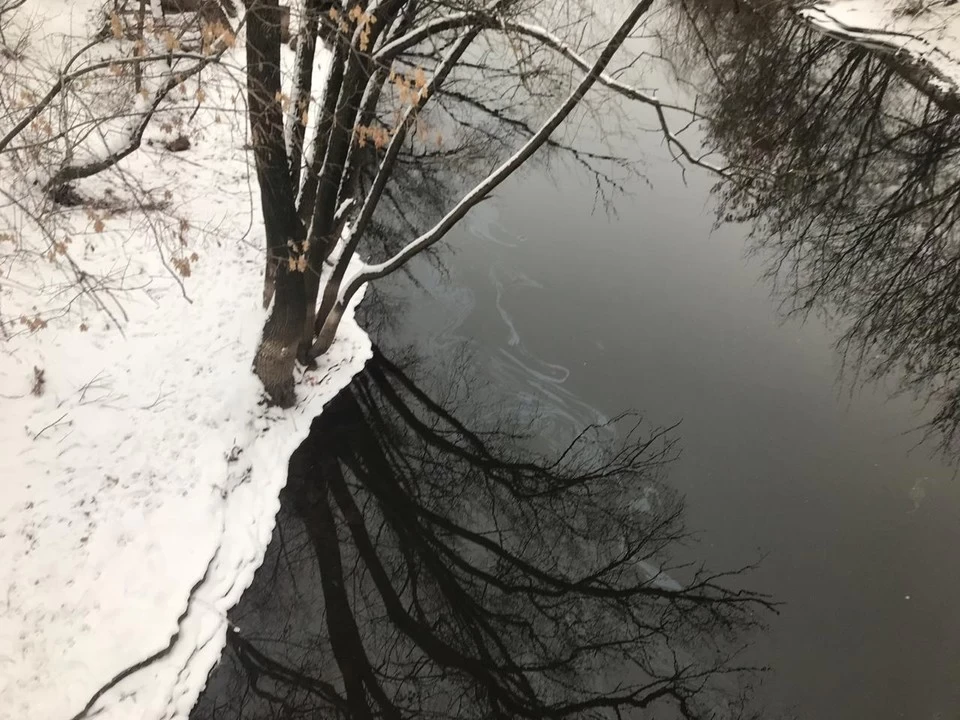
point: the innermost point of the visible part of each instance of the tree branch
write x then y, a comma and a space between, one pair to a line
492, 181
386, 168
555, 43
77, 172
65, 80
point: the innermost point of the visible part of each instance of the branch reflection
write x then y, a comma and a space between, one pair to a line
426, 568
848, 175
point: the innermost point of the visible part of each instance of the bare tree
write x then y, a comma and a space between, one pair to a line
426, 566
396, 67
398, 83
78, 109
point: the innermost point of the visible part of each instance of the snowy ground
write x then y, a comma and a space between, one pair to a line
925, 33
140, 469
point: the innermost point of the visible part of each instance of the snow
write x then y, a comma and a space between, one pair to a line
141, 484
927, 33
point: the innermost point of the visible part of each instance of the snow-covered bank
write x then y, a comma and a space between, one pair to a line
141, 471
924, 35
139, 496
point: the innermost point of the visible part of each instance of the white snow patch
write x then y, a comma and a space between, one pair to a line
141, 485
927, 32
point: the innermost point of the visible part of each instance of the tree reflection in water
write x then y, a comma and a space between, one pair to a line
850, 178
424, 568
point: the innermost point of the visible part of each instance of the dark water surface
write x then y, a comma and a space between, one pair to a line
855, 526
653, 311
550, 316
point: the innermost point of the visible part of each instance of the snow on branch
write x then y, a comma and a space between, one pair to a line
505, 170
552, 41
555, 43
66, 79
410, 39
76, 172
395, 46
396, 142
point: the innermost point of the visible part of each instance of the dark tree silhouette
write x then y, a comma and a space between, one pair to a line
423, 568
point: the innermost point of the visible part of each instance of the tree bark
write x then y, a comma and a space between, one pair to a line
303, 86
357, 73
275, 358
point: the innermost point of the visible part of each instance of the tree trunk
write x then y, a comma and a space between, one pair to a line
330, 189
276, 355
328, 330
303, 86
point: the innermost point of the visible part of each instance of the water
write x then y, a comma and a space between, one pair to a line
853, 522
551, 315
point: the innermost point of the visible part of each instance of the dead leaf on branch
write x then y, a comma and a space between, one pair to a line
170, 40
116, 26
33, 323
378, 136
182, 265
215, 36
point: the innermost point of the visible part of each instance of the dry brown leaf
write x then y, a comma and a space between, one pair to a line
116, 26
170, 40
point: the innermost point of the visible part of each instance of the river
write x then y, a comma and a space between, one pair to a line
562, 315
